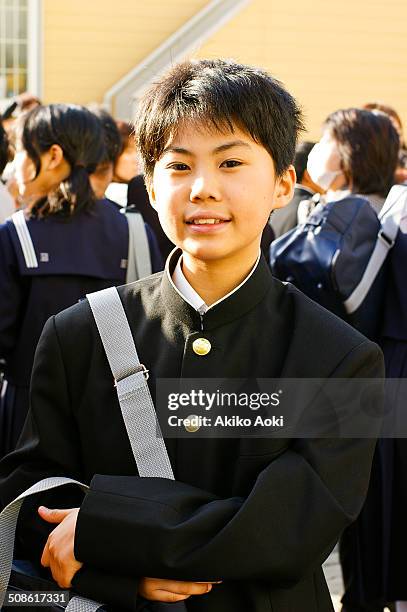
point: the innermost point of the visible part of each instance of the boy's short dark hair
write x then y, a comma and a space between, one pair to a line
368, 145
219, 93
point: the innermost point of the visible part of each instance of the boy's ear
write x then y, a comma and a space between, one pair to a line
285, 185
151, 195
54, 157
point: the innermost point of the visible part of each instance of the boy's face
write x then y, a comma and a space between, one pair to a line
214, 192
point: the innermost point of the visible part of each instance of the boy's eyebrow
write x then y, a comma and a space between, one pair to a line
171, 149
219, 149
230, 145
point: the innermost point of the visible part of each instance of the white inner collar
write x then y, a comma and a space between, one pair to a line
188, 293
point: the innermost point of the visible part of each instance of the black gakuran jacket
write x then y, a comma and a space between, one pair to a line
259, 514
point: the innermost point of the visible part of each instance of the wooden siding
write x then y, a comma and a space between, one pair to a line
90, 44
329, 54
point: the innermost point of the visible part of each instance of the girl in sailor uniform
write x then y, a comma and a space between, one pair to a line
64, 244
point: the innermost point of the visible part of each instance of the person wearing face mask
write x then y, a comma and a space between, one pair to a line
322, 157
126, 165
357, 154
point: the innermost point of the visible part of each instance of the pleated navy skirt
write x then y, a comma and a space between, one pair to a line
373, 549
13, 411
394, 473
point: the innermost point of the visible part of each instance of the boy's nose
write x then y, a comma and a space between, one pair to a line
204, 188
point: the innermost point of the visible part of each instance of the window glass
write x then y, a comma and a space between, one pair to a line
13, 47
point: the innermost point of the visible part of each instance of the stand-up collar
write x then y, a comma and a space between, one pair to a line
233, 306
192, 297
186, 290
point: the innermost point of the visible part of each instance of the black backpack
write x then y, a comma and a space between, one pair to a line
338, 256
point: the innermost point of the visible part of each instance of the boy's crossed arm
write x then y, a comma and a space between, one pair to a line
299, 505
47, 449
58, 555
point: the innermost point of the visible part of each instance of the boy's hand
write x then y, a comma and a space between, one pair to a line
159, 589
58, 553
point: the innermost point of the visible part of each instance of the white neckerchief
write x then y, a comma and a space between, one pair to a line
339, 194
7, 205
188, 293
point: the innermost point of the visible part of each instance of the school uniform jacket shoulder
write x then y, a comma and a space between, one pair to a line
75, 255
259, 514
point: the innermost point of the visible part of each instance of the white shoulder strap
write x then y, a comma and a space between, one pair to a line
393, 209
139, 418
139, 259
136, 404
8, 524
390, 216
18, 218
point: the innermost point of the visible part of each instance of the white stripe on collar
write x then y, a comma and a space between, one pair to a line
188, 293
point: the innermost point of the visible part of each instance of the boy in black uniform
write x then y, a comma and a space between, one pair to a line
256, 516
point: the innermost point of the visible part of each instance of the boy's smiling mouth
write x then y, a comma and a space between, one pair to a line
206, 218
203, 223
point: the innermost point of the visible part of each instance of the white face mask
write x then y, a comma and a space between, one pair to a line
317, 164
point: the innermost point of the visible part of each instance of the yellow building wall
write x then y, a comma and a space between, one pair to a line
90, 44
330, 55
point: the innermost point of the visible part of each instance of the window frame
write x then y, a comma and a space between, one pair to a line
34, 48
30, 67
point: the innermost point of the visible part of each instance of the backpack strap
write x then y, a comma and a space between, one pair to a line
130, 376
139, 418
18, 218
82, 604
139, 259
8, 525
390, 217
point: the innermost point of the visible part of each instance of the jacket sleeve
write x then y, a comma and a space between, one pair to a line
50, 446
284, 528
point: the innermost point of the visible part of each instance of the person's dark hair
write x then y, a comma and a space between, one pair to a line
112, 136
79, 134
27, 101
126, 132
4, 149
368, 145
219, 93
301, 158
392, 113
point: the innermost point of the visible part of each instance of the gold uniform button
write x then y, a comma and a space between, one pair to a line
191, 423
201, 346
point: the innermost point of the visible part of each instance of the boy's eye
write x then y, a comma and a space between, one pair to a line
231, 163
178, 166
